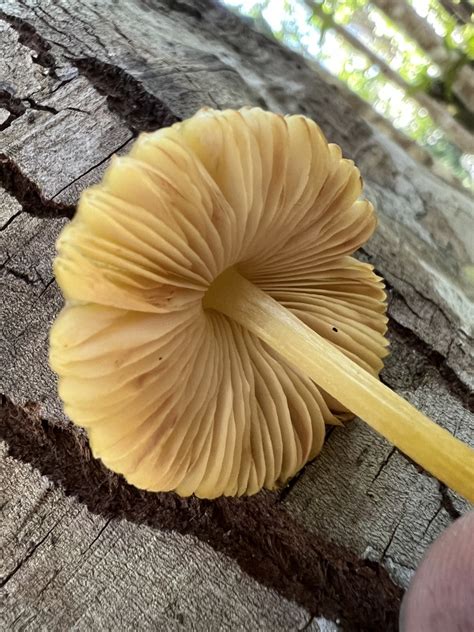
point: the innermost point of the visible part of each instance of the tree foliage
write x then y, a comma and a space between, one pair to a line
311, 32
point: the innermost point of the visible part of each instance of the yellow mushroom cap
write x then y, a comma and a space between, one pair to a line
177, 397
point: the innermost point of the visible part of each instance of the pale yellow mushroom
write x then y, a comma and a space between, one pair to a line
215, 321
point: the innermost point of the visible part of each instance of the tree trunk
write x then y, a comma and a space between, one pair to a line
364, 110
456, 133
424, 34
461, 11
81, 547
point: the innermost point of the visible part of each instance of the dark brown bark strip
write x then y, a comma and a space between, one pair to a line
141, 111
261, 536
29, 36
28, 193
14, 106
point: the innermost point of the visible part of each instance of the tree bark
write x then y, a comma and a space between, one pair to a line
84, 549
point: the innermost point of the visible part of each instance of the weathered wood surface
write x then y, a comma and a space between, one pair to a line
79, 569
77, 82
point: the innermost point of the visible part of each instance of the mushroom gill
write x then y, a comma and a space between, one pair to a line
162, 351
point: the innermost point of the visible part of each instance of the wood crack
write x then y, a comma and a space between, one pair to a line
126, 96
11, 219
27, 192
421, 321
99, 533
46, 287
22, 276
257, 532
117, 149
16, 107
34, 105
432, 519
392, 536
447, 503
29, 37
285, 492
433, 358
423, 296
36, 546
382, 466
396, 293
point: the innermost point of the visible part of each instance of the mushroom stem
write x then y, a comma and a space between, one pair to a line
432, 447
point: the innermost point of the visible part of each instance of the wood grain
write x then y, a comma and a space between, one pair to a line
65, 568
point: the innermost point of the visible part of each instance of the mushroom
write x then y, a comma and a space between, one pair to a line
215, 321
